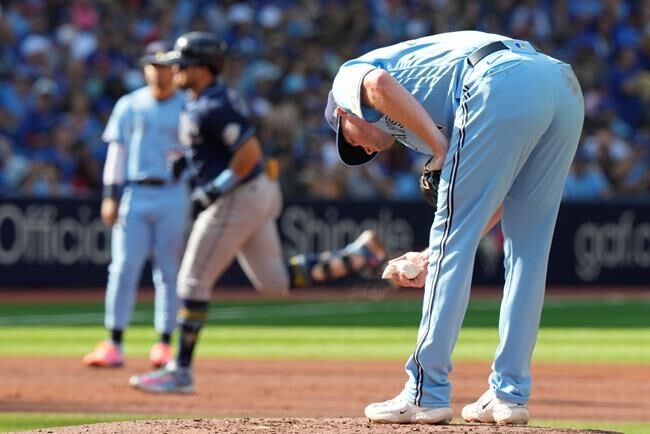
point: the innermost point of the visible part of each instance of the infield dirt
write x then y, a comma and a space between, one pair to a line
298, 426
305, 396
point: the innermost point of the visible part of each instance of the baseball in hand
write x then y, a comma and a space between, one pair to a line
408, 269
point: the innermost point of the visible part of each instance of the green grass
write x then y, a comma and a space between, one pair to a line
624, 427
575, 331
353, 343
595, 314
16, 421
572, 330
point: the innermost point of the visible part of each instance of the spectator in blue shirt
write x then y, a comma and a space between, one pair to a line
43, 118
624, 83
586, 180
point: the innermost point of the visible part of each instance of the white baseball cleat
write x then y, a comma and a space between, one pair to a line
490, 409
399, 410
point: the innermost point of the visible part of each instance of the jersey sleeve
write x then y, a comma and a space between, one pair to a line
116, 126
114, 167
229, 123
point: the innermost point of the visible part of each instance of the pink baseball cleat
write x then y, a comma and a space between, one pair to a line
105, 355
160, 354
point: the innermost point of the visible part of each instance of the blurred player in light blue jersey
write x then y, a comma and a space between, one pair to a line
502, 122
147, 208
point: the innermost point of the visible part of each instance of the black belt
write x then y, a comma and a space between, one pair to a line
485, 51
488, 49
150, 182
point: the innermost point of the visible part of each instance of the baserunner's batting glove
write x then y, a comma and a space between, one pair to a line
204, 195
429, 183
176, 165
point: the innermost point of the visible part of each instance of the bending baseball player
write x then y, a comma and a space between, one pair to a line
502, 122
238, 204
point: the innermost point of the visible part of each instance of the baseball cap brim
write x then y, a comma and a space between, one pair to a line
156, 53
350, 155
154, 59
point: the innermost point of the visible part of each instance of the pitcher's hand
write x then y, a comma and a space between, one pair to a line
421, 259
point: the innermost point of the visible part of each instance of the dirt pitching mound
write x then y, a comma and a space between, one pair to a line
295, 426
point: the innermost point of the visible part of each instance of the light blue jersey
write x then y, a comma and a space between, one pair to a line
431, 68
148, 129
513, 118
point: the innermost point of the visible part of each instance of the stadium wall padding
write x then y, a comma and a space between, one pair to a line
62, 243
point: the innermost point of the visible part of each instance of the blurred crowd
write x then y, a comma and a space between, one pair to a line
64, 63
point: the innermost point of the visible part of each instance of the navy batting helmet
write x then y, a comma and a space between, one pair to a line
199, 48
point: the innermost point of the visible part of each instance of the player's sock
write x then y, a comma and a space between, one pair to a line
191, 318
166, 338
116, 337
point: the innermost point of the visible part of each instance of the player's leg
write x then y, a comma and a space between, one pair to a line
130, 245
206, 256
168, 244
217, 235
365, 255
496, 126
261, 256
262, 260
528, 222
130, 248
